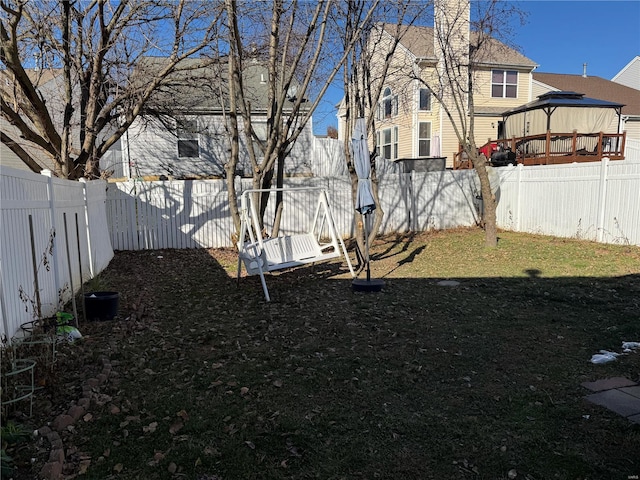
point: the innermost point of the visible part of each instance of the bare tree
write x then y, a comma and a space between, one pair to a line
461, 44
92, 52
296, 41
364, 80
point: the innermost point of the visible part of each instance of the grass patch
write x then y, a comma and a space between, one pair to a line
418, 381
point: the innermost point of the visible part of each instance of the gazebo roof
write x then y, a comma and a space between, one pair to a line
554, 99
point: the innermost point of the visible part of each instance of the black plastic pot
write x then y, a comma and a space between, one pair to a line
100, 306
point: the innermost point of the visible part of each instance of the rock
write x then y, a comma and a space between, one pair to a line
76, 412
51, 471
61, 422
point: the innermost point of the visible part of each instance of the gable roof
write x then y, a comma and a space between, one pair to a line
200, 85
630, 74
419, 41
595, 87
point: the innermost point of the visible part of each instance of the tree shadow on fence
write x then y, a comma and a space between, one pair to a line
166, 214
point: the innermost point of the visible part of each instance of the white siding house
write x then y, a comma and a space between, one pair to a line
185, 132
197, 146
630, 74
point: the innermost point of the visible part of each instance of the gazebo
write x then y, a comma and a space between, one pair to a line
559, 127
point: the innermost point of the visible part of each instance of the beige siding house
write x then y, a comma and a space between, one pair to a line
410, 123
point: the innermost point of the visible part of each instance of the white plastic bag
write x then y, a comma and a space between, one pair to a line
604, 357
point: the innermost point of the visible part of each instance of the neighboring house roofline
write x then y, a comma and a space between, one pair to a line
626, 67
504, 65
593, 87
418, 41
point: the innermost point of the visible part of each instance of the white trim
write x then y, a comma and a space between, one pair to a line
626, 67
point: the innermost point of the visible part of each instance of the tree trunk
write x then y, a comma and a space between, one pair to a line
489, 203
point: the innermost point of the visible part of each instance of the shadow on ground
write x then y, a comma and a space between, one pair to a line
417, 381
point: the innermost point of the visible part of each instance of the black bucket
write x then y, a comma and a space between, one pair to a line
99, 306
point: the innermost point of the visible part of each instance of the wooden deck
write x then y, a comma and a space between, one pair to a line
551, 149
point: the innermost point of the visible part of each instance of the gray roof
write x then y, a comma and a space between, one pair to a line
419, 41
595, 87
200, 85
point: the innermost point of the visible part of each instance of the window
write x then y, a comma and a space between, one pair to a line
424, 139
425, 99
188, 138
388, 143
388, 107
504, 84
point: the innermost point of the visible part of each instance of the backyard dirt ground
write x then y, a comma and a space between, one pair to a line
479, 378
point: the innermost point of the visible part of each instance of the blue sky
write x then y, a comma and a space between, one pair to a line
559, 36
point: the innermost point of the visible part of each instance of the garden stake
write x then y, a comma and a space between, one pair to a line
84, 314
73, 293
36, 285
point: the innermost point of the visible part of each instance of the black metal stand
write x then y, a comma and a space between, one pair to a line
368, 285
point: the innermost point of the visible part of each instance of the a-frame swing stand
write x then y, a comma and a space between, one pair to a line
318, 242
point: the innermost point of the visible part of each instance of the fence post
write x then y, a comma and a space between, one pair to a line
520, 167
602, 194
88, 227
52, 214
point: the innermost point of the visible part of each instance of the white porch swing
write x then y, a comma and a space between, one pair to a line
315, 242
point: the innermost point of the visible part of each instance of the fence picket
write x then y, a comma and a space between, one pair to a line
47, 200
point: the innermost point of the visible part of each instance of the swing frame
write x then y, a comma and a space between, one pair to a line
260, 255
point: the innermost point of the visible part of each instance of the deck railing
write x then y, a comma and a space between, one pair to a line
554, 148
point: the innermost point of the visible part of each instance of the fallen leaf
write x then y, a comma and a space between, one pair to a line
244, 391
172, 468
150, 428
176, 427
183, 415
250, 444
277, 383
84, 465
118, 468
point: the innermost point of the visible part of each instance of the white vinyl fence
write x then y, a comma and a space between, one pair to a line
195, 213
594, 201
591, 201
51, 229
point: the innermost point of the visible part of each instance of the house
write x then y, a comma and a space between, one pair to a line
12, 146
630, 74
410, 123
48, 82
599, 88
184, 131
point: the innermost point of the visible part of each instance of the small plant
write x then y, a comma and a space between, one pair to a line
11, 435
96, 284
33, 301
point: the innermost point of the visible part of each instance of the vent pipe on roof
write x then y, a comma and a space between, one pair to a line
584, 70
